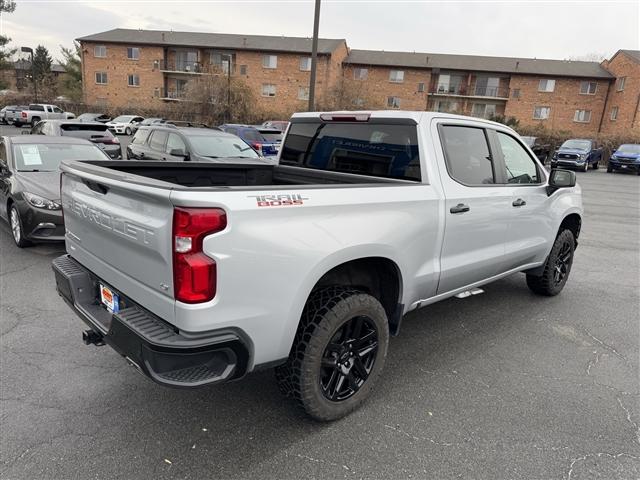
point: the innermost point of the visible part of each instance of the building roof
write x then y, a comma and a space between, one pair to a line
26, 65
210, 40
510, 65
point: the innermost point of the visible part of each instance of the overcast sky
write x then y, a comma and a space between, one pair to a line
542, 29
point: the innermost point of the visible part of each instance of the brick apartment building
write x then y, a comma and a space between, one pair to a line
130, 68
623, 102
18, 77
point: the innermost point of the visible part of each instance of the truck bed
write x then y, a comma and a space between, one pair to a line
186, 175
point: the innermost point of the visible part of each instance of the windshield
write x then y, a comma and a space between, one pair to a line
629, 148
123, 119
47, 157
577, 144
221, 146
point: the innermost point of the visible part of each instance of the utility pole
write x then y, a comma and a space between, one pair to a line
33, 72
228, 115
314, 58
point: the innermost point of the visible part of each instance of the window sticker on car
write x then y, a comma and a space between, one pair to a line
30, 155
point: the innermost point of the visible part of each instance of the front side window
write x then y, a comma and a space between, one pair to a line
541, 113
582, 116
467, 155
396, 76
378, 150
174, 142
614, 113
158, 140
620, 83
588, 88
268, 90
100, 51
101, 78
270, 61
546, 85
393, 102
360, 73
305, 64
520, 167
303, 93
133, 53
134, 80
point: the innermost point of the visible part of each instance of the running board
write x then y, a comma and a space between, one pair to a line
469, 293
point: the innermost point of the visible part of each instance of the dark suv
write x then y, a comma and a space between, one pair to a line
175, 144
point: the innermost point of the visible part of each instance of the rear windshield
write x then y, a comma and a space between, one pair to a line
251, 135
141, 136
47, 157
379, 150
271, 136
85, 131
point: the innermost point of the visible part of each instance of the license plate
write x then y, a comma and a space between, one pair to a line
109, 299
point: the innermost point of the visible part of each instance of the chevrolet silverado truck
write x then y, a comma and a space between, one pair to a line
40, 111
198, 273
577, 154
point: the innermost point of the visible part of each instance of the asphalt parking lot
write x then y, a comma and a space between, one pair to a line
501, 385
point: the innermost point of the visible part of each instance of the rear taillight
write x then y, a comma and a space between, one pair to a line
194, 273
257, 146
24, 114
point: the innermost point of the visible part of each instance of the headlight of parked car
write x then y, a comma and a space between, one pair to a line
614, 157
583, 156
41, 202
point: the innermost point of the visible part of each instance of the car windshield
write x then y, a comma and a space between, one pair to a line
529, 141
215, 146
629, 148
577, 144
123, 119
47, 157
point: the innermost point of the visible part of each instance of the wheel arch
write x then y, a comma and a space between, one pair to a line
572, 222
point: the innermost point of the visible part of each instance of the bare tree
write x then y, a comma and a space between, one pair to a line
350, 95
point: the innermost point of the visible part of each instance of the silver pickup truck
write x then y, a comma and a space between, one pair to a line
200, 273
39, 111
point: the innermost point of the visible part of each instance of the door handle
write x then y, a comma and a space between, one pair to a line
519, 203
460, 208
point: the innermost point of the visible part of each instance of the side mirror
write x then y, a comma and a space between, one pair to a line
4, 171
178, 152
561, 179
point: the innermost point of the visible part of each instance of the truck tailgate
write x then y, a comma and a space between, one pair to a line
122, 233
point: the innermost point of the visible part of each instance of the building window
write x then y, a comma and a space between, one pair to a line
360, 73
268, 90
393, 102
446, 106
546, 85
483, 110
243, 69
620, 83
220, 61
101, 78
270, 61
515, 93
582, 116
541, 113
614, 113
133, 53
588, 88
421, 87
358, 102
396, 76
100, 51
305, 64
303, 93
133, 80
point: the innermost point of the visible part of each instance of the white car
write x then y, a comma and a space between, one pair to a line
124, 124
198, 273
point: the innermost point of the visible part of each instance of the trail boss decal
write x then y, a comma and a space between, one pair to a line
284, 200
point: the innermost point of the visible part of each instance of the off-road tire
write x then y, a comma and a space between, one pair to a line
546, 284
326, 311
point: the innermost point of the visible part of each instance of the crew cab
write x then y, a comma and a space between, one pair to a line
199, 273
577, 153
40, 111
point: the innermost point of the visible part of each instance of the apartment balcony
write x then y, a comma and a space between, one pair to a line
173, 95
191, 68
469, 91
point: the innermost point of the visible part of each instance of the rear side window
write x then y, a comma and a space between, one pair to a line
375, 149
141, 136
36, 108
158, 139
467, 155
